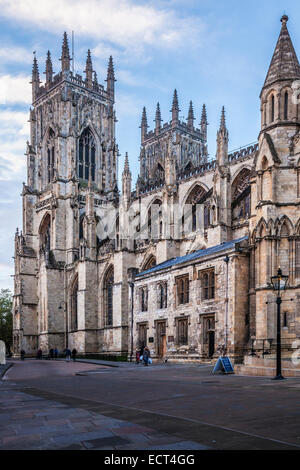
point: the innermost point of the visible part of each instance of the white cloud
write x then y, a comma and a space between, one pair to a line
14, 131
15, 54
122, 22
15, 89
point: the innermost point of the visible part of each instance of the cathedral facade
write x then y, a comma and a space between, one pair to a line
182, 262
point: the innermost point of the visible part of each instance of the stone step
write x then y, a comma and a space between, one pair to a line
253, 361
260, 371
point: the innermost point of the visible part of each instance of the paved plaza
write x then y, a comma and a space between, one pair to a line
83, 405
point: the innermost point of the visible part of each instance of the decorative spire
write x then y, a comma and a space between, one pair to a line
223, 121
49, 68
158, 118
126, 165
110, 88
126, 181
191, 117
89, 70
65, 55
203, 115
144, 125
222, 141
284, 64
175, 107
35, 78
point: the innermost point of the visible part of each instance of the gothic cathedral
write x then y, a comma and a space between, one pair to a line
182, 262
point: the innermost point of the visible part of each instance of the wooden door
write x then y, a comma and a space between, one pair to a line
161, 339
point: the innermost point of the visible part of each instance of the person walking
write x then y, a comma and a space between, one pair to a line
39, 354
51, 353
146, 356
68, 354
22, 352
137, 356
55, 353
74, 352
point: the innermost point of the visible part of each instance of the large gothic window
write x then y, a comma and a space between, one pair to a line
50, 156
155, 222
241, 195
190, 219
45, 237
108, 297
74, 318
86, 155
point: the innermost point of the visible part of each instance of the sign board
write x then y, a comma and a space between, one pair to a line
151, 340
224, 364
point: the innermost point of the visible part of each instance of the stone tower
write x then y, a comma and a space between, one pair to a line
275, 190
71, 168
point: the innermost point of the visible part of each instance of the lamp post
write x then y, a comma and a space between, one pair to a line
279, 283
131, 272
63, 305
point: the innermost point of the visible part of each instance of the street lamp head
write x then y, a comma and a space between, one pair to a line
279, 282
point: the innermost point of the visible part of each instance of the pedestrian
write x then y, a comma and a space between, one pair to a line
74, 352
55, 353
137, 356
146, 356
68, 353
39, 354
51, 353
142, 349
22, 354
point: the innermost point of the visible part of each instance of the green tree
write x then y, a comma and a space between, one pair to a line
6, 323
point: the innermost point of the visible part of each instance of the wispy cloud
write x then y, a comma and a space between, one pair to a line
123, 22
15, 54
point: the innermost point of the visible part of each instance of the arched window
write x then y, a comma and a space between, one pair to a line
74, 317
286, 101
151, 262
189, 218
50, 156
108, 297
241, 195
45, 237
144, 299
162, 295
155, 225
272, 109
86, 155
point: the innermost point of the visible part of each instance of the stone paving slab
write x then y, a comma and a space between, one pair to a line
25, 427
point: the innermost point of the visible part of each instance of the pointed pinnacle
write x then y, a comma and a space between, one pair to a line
157, 114
89, 65
203, 115
110, 69
223, 122
35, 67
65, 47
175, 105
49, 68
191, 112
126, 164
144, 118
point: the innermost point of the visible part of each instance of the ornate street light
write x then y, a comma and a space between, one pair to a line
279, 283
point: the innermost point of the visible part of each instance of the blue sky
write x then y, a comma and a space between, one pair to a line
214, 52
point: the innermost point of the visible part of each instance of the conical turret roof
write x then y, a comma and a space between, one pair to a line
284, 64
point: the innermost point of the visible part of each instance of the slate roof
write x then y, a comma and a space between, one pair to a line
193, 256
